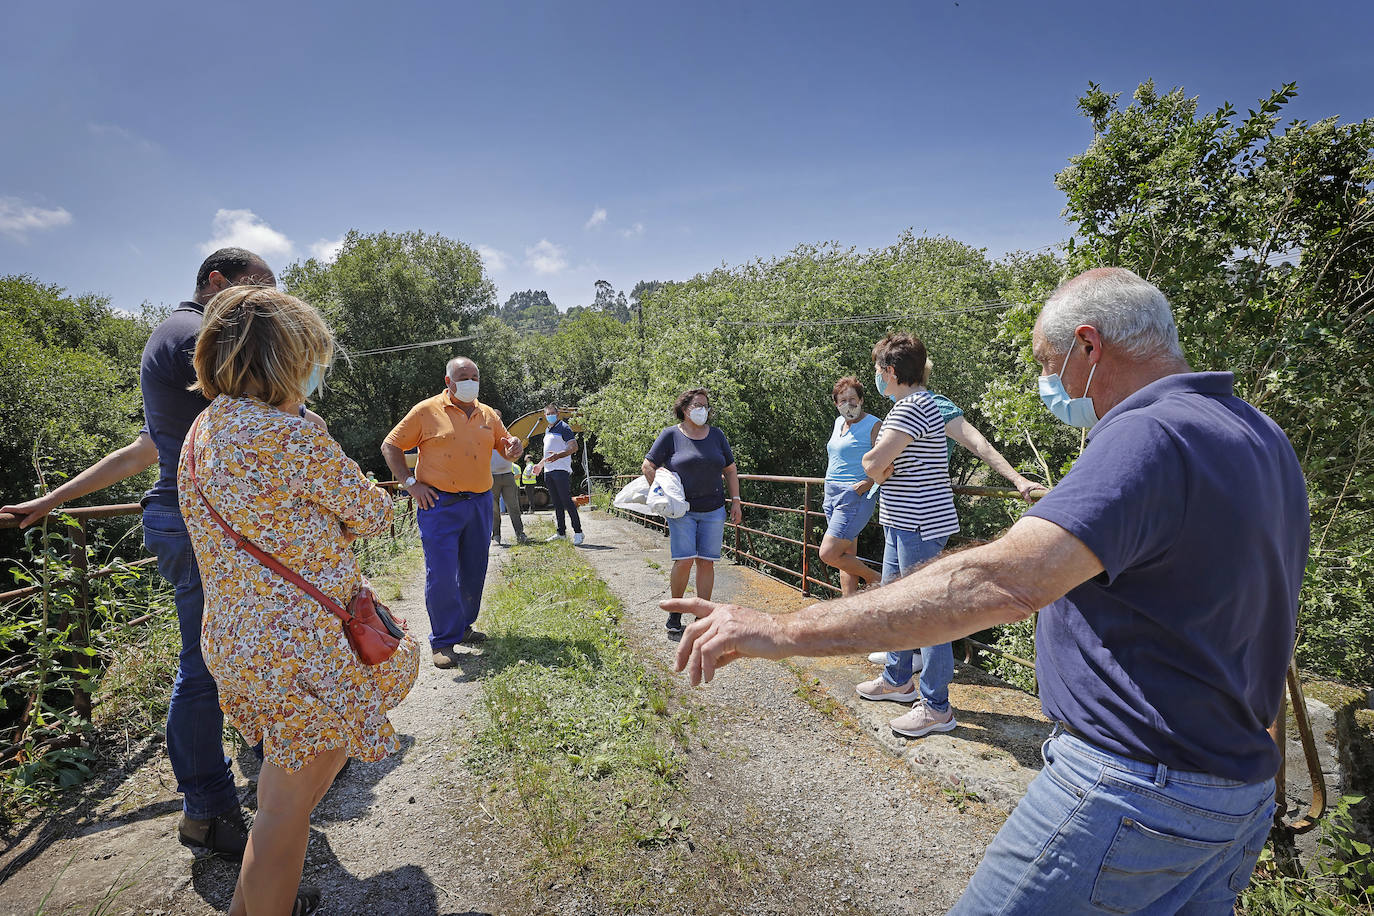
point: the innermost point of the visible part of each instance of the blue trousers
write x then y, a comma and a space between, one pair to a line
1098, 832
456, 536
903, 550
560, 488
195, 724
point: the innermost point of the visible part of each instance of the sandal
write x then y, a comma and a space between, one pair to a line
307, 901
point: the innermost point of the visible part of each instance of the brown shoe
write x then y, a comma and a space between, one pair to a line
225, 835
445, 657
473, 637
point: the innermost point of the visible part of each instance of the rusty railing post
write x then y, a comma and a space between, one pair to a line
81, 603
806, 538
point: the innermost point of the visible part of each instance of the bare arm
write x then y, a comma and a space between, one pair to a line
732, 485
878, 460
395, 459
647, 469
1010, 579
967, 435
121, 464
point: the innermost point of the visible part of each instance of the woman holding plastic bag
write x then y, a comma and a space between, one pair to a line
700, 456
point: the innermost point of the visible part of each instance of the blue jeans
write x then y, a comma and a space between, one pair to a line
903, 550
195, 724
455, 534
559, 484
1100, 832
697, 535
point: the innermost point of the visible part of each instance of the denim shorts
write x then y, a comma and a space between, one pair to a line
697, 535
846, 512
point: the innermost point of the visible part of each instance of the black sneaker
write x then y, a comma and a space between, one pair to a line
674, 627
225, 835
307, 901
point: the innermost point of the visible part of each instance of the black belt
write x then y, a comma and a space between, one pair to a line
1068, 729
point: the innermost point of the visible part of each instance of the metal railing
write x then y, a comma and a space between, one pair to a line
805, 582
77, 615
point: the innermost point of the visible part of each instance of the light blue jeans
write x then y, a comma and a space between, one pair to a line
903, 550
1098, 832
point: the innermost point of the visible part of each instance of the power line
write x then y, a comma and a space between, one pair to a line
411, 346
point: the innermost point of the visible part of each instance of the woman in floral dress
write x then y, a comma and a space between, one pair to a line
285, 672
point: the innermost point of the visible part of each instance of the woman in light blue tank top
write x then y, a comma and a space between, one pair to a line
847, 504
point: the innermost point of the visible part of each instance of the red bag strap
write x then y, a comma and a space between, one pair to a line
262, 556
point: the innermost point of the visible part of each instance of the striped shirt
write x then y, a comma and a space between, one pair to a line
917, 496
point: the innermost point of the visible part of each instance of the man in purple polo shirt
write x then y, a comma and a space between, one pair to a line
1166, 567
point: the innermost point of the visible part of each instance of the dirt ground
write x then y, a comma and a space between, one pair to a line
827, 819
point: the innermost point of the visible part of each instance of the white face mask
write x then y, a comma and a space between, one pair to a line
851, 412
697, 415
466, 390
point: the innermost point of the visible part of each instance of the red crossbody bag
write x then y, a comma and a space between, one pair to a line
371, 629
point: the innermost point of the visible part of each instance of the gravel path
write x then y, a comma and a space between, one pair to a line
893, 843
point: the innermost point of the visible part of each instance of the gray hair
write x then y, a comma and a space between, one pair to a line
1127, 311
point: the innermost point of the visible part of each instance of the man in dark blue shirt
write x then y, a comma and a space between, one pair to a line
211, 817
1165, 567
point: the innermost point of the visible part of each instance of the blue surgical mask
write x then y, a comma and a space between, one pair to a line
550, 418
315, 383
881, 385
1073, 411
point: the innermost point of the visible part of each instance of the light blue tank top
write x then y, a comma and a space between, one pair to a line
847, 448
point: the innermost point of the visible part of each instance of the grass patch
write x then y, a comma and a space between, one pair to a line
133, 695
584, 744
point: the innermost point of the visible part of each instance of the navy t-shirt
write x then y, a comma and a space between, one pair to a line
1195, 505
169, 408
698, 463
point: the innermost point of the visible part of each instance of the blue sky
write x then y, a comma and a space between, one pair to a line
581, 141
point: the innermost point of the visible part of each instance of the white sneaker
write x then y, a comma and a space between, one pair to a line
578, 539
554, 537
880, 658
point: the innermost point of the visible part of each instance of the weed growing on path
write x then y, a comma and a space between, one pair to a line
584, 741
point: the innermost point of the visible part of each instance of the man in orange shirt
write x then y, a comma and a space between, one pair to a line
455, 435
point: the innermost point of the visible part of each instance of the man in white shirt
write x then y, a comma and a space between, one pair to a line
560, 443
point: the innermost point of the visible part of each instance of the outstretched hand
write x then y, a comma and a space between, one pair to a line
720, 634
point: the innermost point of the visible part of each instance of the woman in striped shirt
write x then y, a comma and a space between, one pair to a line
917, 513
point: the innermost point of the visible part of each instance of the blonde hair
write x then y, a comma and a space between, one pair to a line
930, 367
259, 338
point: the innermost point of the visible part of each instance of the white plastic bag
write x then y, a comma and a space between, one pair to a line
665, 495
632, 497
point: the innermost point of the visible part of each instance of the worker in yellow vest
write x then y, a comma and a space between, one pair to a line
527, 481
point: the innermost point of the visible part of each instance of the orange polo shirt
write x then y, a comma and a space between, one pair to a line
455, 449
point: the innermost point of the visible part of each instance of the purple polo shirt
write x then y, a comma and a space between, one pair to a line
1195, 504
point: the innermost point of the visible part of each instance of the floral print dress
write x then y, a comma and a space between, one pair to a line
285, 672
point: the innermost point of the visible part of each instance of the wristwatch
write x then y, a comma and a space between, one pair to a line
410, 482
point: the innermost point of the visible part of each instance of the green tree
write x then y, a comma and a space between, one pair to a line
68, 384
384, 291
530, 309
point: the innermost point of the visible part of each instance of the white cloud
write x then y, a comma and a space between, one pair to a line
327, 250
495, 259
17, 218
245, 229
546, 258
634, 231
122, 133
597, 218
